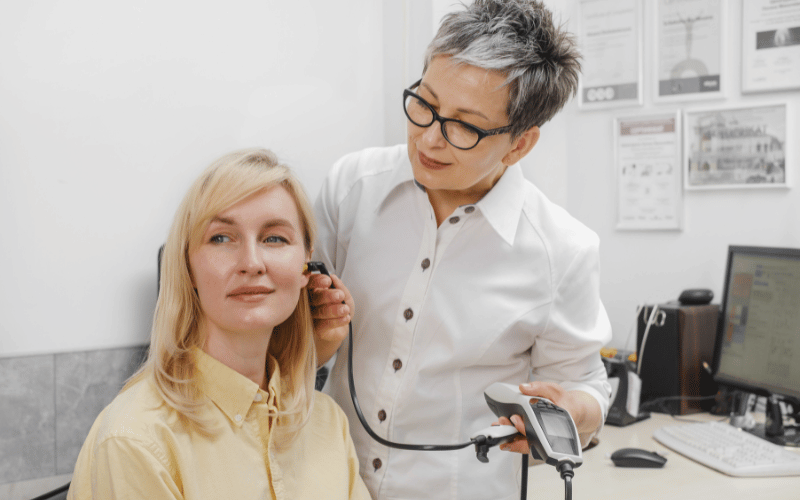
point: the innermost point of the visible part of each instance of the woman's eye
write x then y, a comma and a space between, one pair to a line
219, 238
275, 239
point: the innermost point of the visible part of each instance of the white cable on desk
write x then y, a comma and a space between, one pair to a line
650, 322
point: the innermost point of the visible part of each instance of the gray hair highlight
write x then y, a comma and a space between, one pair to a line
518, 39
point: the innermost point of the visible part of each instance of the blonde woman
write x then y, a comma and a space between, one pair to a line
225, 405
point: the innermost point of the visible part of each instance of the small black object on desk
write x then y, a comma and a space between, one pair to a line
637, 457
696, 297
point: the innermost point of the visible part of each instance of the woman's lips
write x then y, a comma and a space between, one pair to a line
250, 293
431, 163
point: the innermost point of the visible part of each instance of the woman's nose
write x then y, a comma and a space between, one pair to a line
432, 135
250, 261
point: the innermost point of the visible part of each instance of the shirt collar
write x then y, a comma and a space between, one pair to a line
502, 205
231, 391
401, 174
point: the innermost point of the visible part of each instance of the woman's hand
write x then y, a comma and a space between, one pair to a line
581, 406
332, 310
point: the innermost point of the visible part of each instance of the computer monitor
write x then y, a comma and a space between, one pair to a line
758, 338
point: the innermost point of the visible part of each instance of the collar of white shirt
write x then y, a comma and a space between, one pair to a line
502, 205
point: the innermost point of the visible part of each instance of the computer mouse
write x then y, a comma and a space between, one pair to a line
637, 457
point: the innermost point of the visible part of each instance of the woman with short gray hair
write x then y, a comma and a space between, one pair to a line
464, 273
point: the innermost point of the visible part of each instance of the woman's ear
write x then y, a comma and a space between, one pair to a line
521, 146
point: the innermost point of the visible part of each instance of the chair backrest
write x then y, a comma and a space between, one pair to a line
59, 493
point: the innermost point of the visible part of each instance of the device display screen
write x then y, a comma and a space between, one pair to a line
559, 432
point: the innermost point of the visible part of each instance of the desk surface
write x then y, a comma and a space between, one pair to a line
681, 478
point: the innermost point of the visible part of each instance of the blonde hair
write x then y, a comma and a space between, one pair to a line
175, 331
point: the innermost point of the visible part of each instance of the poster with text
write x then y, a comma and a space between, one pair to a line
689, 49
610, 38
742, 147
770, 45
649, 191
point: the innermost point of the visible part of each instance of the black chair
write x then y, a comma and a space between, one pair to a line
59, 493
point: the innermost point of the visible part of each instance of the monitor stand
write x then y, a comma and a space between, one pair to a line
774, 430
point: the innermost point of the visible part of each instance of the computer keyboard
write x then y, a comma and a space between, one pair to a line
729, 450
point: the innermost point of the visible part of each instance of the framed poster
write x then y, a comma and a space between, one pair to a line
610, 38
648, 165
770, 45
742, 147
690, 50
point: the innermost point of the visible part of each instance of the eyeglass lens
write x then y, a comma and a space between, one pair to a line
457, 134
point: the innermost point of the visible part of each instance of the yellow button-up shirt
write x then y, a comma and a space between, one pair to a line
139, 449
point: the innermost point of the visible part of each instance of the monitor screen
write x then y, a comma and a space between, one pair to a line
758, 343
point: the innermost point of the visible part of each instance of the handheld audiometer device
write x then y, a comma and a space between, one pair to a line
550, 430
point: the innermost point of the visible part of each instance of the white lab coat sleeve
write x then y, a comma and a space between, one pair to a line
567, 351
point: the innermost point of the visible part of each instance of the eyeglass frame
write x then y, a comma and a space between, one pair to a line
482, 133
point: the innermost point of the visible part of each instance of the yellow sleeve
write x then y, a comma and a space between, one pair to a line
358, 490
127, 469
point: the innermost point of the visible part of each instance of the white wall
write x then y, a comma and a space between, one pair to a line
110, 109
651, 266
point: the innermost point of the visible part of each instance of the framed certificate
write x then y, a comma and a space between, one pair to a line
647, 162
743, 147
690, 50
610, 38
770, 45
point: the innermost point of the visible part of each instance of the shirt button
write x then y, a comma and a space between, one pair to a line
377, 463
238, 418
469, 209
258, 397
426, 264
454, 220
381, 415
397, 364
408, 314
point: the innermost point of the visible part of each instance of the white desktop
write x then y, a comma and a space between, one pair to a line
680, 478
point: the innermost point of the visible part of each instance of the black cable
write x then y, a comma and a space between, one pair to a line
523, 487
320, 267
565, 469
391, 444
658, 403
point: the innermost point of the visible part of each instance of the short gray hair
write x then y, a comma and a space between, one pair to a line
518, 39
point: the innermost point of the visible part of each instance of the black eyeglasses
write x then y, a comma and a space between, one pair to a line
461, 135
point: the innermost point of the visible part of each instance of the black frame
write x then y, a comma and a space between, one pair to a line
482, 133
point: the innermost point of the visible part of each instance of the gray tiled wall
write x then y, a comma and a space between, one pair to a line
49, 402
